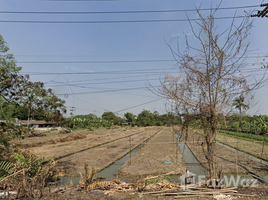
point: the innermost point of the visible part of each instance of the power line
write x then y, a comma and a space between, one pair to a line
122, 77
90, 56
111, 21
92, 83
120, 12
124, 108
84, 82
71, 55
101, 89
80, 0
153, 71
138, 105
91, 104
92, 62
104, 91
108, 61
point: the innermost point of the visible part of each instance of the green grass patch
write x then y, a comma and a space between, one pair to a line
245, 135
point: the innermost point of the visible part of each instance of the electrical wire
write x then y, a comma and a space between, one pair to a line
92, 83
122, 77
146, 72
89, 73
121, 12
101, 89
139, 105
79, 56
91, 104
104, 91
112, 21
93, 62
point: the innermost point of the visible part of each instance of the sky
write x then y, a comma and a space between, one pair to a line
100, 56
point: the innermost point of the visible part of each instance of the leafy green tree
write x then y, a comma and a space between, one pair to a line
108, 116
131, 118
18, 96
145, 118
92, 116
89, 116
240, 105
118, 121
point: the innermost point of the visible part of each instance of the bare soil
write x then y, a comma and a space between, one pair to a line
58, 146
160, 155
65, 192
255, 194
101, 147
104, 155
258, 149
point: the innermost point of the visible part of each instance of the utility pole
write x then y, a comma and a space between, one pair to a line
72, 111
263, 13
94, 113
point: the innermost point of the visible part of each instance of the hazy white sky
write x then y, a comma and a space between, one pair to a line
96, 65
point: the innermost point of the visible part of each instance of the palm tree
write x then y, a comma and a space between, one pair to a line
239, 104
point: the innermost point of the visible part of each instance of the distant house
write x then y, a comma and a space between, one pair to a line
37, 123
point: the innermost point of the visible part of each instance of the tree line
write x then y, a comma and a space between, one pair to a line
107, 119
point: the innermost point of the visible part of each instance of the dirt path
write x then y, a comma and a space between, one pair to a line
231, 162
160, 155
104, 155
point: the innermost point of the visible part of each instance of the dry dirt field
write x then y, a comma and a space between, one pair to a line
160, 155
98, 148
102, 147
258, 149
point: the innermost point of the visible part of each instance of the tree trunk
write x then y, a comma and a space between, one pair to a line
210, 141
240, 119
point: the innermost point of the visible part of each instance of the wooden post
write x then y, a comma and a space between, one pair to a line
129, 151
236, 158
262, 149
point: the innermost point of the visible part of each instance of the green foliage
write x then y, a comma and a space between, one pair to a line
130, 118
239, 104
25, 160
83, 123
108, 116
9, 131
247, 122
89, 116
21, 98
246, 135
5, 166
145, 118
118, 121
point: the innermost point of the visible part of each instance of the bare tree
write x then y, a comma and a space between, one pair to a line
210, 74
